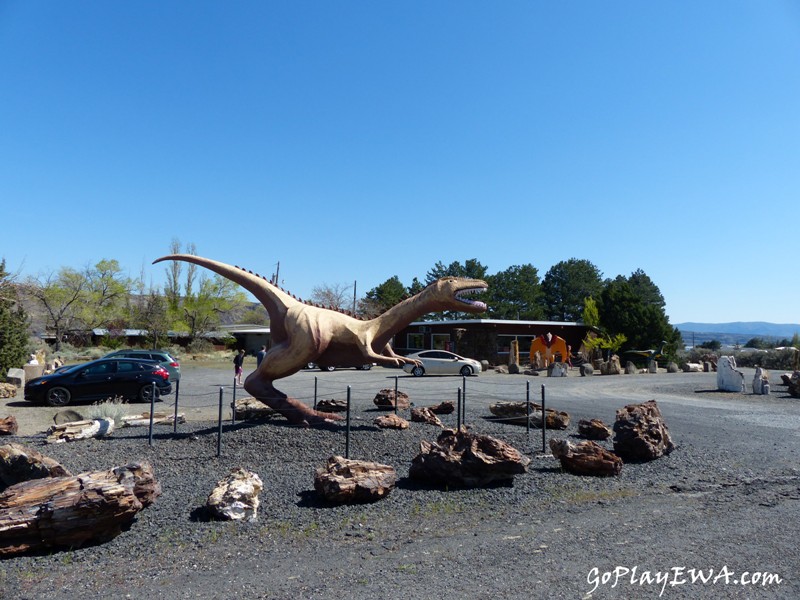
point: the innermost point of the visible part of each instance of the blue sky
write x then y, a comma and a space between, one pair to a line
354, 141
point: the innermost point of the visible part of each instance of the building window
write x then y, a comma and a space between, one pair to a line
415, 341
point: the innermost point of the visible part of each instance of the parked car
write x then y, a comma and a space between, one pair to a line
162, 357
441, 362
100, 379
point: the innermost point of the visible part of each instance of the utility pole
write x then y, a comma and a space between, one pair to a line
354, 296
277, 274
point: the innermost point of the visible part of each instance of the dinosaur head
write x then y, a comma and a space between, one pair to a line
450, 293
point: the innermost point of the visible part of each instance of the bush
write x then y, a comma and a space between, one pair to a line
200, 346
115, 409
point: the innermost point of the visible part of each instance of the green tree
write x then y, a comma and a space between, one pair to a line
105, 296
381, 298
565, 287
62, 295
471, 269
151, 313
515, 293
591, 316
203, 310
13, 324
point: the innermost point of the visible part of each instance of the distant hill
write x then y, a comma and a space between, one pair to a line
735, 333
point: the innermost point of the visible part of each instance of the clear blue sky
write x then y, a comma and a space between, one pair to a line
354, 141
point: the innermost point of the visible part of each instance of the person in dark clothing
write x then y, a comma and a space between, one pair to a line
238, 362
260, 356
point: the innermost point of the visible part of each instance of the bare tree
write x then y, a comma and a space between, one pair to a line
335, 295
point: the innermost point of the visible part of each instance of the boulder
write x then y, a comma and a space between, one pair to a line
386, 399
8, 426
557, 369
235, 498
593, 429
67, 416
502, 369
19, 463
672, 367
794, 385
513, 369
391, 421
585, 458
652, 366
611, 366
786, 379
461, 458
694, 368
630, 368
761, 382
16, 377
517, 413
332, 405
252, 409
640, 433
8, 390
33, 371
447, 407
423, 414
586, 369
347, 481
729, 378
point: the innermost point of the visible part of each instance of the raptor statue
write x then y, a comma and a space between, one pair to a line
303, 333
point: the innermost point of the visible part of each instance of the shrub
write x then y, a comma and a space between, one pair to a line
115, 409
200, 346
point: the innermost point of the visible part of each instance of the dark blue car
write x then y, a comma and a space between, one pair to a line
101, 379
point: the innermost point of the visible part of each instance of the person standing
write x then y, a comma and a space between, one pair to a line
238, 362
260, 356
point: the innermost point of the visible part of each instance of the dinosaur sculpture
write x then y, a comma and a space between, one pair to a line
304, 333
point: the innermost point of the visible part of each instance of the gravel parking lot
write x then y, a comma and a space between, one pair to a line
725, 502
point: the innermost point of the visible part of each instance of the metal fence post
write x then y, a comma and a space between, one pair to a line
347, 431
315, 392
395, 394
219, 430
544, 423
458, 411
175, 416
152, 410
528, 409
233, 404
464, 400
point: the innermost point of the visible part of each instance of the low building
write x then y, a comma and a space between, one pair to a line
486, 339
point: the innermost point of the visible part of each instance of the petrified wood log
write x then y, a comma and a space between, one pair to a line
143, 420
8, 390
794, 385
252, 409
585, 458
447, 407
467, 459
386, 399
593, 429
8, 426
19, 463
71, 511
332, 405
391, 421
235, 498
79, 430
423, 414
347, 481
640, 432
517, 414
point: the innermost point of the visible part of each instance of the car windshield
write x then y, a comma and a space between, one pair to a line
69, 369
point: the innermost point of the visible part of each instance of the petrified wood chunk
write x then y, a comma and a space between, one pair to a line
8, 426
235, 498
8, 390
447, 407
517, 414
79, 430
391, 421
786, 379
386, 399
585, 458
345, 481
251, 409
611, 367
71, 511
467, 459
593, 429
159, 418
640, 432
332, 405
19, 463
794, 385
423, 414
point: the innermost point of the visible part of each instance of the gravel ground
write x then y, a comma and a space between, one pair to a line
725, 500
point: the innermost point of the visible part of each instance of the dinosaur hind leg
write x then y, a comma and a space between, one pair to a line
276, 364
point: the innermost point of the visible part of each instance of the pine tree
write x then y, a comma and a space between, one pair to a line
13, 325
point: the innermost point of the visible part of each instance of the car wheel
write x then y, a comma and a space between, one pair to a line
418, 371
58, 396
466, 371
366, 367
146, 393
328, 369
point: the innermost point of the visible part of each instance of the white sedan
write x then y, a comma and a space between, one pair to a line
441, 362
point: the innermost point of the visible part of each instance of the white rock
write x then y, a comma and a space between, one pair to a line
729, 378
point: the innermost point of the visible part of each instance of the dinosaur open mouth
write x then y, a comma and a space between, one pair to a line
476, 304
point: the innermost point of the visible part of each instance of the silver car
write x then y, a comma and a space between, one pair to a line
441, 362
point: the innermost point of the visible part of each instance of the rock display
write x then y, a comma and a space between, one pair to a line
67, 416
386, 399
346, 481
652, 366
672, 367
235, 498
517, 414
448, 407
794, 385
630, 368
19, 463
332, 405
8, 426
159, 418
729, 378
391, 421
8, 390
423, 414
79, 430
611, 366
15, 377
694, 368
252, 409
640, 433
593, 429
557, 369
761, 382
585, 458
461, 458
68, 512
586, 369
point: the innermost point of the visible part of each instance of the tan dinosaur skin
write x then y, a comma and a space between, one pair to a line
303, 333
